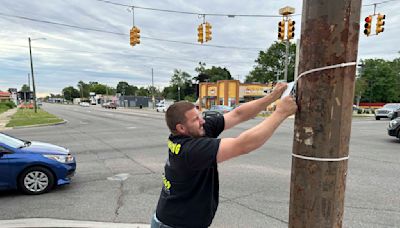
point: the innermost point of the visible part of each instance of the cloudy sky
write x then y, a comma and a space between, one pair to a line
101, 52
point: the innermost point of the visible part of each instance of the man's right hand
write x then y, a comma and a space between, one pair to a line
287, 106
278, 90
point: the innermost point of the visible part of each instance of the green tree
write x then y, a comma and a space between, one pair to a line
143, 92
98, 88
180, 86
25, 88
382, 80
212, 74
83, 89
271, 64
70, 93
125, 89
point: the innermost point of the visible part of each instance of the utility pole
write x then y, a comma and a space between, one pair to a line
33, 78
29, 82
152, 88
287, 25
286, 59
329, 41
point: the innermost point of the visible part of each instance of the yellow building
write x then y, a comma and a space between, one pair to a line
230, 93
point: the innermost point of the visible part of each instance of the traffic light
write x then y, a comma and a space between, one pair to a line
367, 25
134, 36
290, 34
380, 23
281, 30
200, 32
208, 32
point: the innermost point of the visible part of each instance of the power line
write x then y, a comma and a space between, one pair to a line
215, 14
192, 13
128, 54
378, 3
125, 34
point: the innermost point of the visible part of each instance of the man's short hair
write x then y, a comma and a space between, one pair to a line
176, 114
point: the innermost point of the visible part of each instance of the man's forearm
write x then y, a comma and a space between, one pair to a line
258, 135
251, 109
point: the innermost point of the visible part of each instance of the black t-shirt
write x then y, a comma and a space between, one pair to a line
189, 197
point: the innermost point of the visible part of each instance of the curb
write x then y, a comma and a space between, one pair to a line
50, 222
39, 125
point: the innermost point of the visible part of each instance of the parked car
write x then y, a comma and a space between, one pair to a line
84, 104
217, 110
110, 105
33, 167
209, 114
394, 128
162, 108
387, 111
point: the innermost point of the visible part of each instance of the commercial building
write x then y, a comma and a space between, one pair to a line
230, 93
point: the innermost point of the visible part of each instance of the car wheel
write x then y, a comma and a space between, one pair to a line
36, 180
377, 118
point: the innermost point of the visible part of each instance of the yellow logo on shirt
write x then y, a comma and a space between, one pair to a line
174, 147
167, 184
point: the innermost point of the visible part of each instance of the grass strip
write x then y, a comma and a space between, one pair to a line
28, 117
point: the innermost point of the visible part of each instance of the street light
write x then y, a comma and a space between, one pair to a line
33, 78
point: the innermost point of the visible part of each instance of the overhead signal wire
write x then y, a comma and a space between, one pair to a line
125, 34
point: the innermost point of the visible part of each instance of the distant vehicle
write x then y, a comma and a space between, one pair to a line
209, 114
39, 103
162, 108
217, 110
84, 104
394, 128
387, 111
165, 103
33, 167
110, 105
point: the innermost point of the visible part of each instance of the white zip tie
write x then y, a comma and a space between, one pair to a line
326, 68
311, 71
320, 159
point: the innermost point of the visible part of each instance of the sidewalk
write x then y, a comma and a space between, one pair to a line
50, 222
5, 118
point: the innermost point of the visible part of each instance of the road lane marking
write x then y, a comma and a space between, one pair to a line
119, 177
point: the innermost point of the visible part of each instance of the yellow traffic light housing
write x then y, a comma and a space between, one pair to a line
367, 25
290, 33
200, 32
380, 23
208, 31
281, 30
134, 36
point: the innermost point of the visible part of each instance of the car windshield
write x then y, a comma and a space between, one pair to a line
12, 142
391, 106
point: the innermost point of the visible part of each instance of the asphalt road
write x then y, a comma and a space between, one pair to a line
121, 154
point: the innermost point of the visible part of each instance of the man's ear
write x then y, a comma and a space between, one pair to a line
180, 128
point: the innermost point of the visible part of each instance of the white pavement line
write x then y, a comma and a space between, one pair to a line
119, 177
131, 127
49, 222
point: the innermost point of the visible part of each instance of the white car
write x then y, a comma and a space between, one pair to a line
162, 108
84, 104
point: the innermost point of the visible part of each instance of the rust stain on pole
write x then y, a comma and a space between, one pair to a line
329, 36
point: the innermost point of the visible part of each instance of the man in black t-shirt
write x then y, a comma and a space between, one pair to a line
189, 197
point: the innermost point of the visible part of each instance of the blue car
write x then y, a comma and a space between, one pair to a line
33, 167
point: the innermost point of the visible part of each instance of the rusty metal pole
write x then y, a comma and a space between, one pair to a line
329, 36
